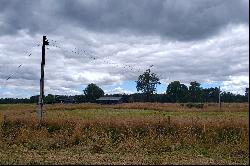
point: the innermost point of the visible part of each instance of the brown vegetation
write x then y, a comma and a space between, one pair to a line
224, 139
228, 107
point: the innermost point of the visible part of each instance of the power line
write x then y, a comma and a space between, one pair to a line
17, 69
106, 60
85, 53
20, 65
10, 76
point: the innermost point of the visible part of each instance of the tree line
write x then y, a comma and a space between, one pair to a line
176, 92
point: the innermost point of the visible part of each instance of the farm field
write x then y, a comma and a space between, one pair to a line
134, 133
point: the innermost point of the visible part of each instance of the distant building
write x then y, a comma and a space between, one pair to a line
109, 100
64, 99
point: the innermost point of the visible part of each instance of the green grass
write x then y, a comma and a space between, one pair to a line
101, 113
5, 107
110, 113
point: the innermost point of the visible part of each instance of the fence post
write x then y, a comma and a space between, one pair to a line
168, 120
4, 118
204, 128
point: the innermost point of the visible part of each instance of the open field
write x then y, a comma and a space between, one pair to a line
134, 133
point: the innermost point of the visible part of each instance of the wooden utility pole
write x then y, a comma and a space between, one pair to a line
219, 98
41, 98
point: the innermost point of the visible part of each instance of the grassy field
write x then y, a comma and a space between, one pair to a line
134, 133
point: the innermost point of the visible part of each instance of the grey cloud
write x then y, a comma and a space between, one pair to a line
178, 20
181, 20
122, 33
214, 59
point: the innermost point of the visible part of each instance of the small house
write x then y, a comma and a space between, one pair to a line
64, 99
109, 100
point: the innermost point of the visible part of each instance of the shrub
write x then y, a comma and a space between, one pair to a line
195, 105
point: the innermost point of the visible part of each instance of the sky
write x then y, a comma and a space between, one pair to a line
111, 42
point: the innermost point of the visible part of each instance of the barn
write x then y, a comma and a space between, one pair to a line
64, 99
109, 100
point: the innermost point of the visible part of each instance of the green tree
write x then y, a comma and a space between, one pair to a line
228, 97
93, 92
147, 83
177, 92
195, 92
34, 99
50, 99
210, 94
80, 98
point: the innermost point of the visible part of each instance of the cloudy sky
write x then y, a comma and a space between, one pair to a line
111, 42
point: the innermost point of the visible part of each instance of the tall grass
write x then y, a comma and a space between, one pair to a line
223, 136
226, 107
155, 134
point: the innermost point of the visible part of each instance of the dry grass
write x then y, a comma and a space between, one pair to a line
210, 107
226, 107
105, 139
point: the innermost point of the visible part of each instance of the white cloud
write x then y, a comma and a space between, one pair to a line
236, 84
121, 56
118, 90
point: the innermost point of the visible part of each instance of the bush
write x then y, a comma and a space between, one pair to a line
195, 105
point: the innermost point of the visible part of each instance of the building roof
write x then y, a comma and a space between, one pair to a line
109, 98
